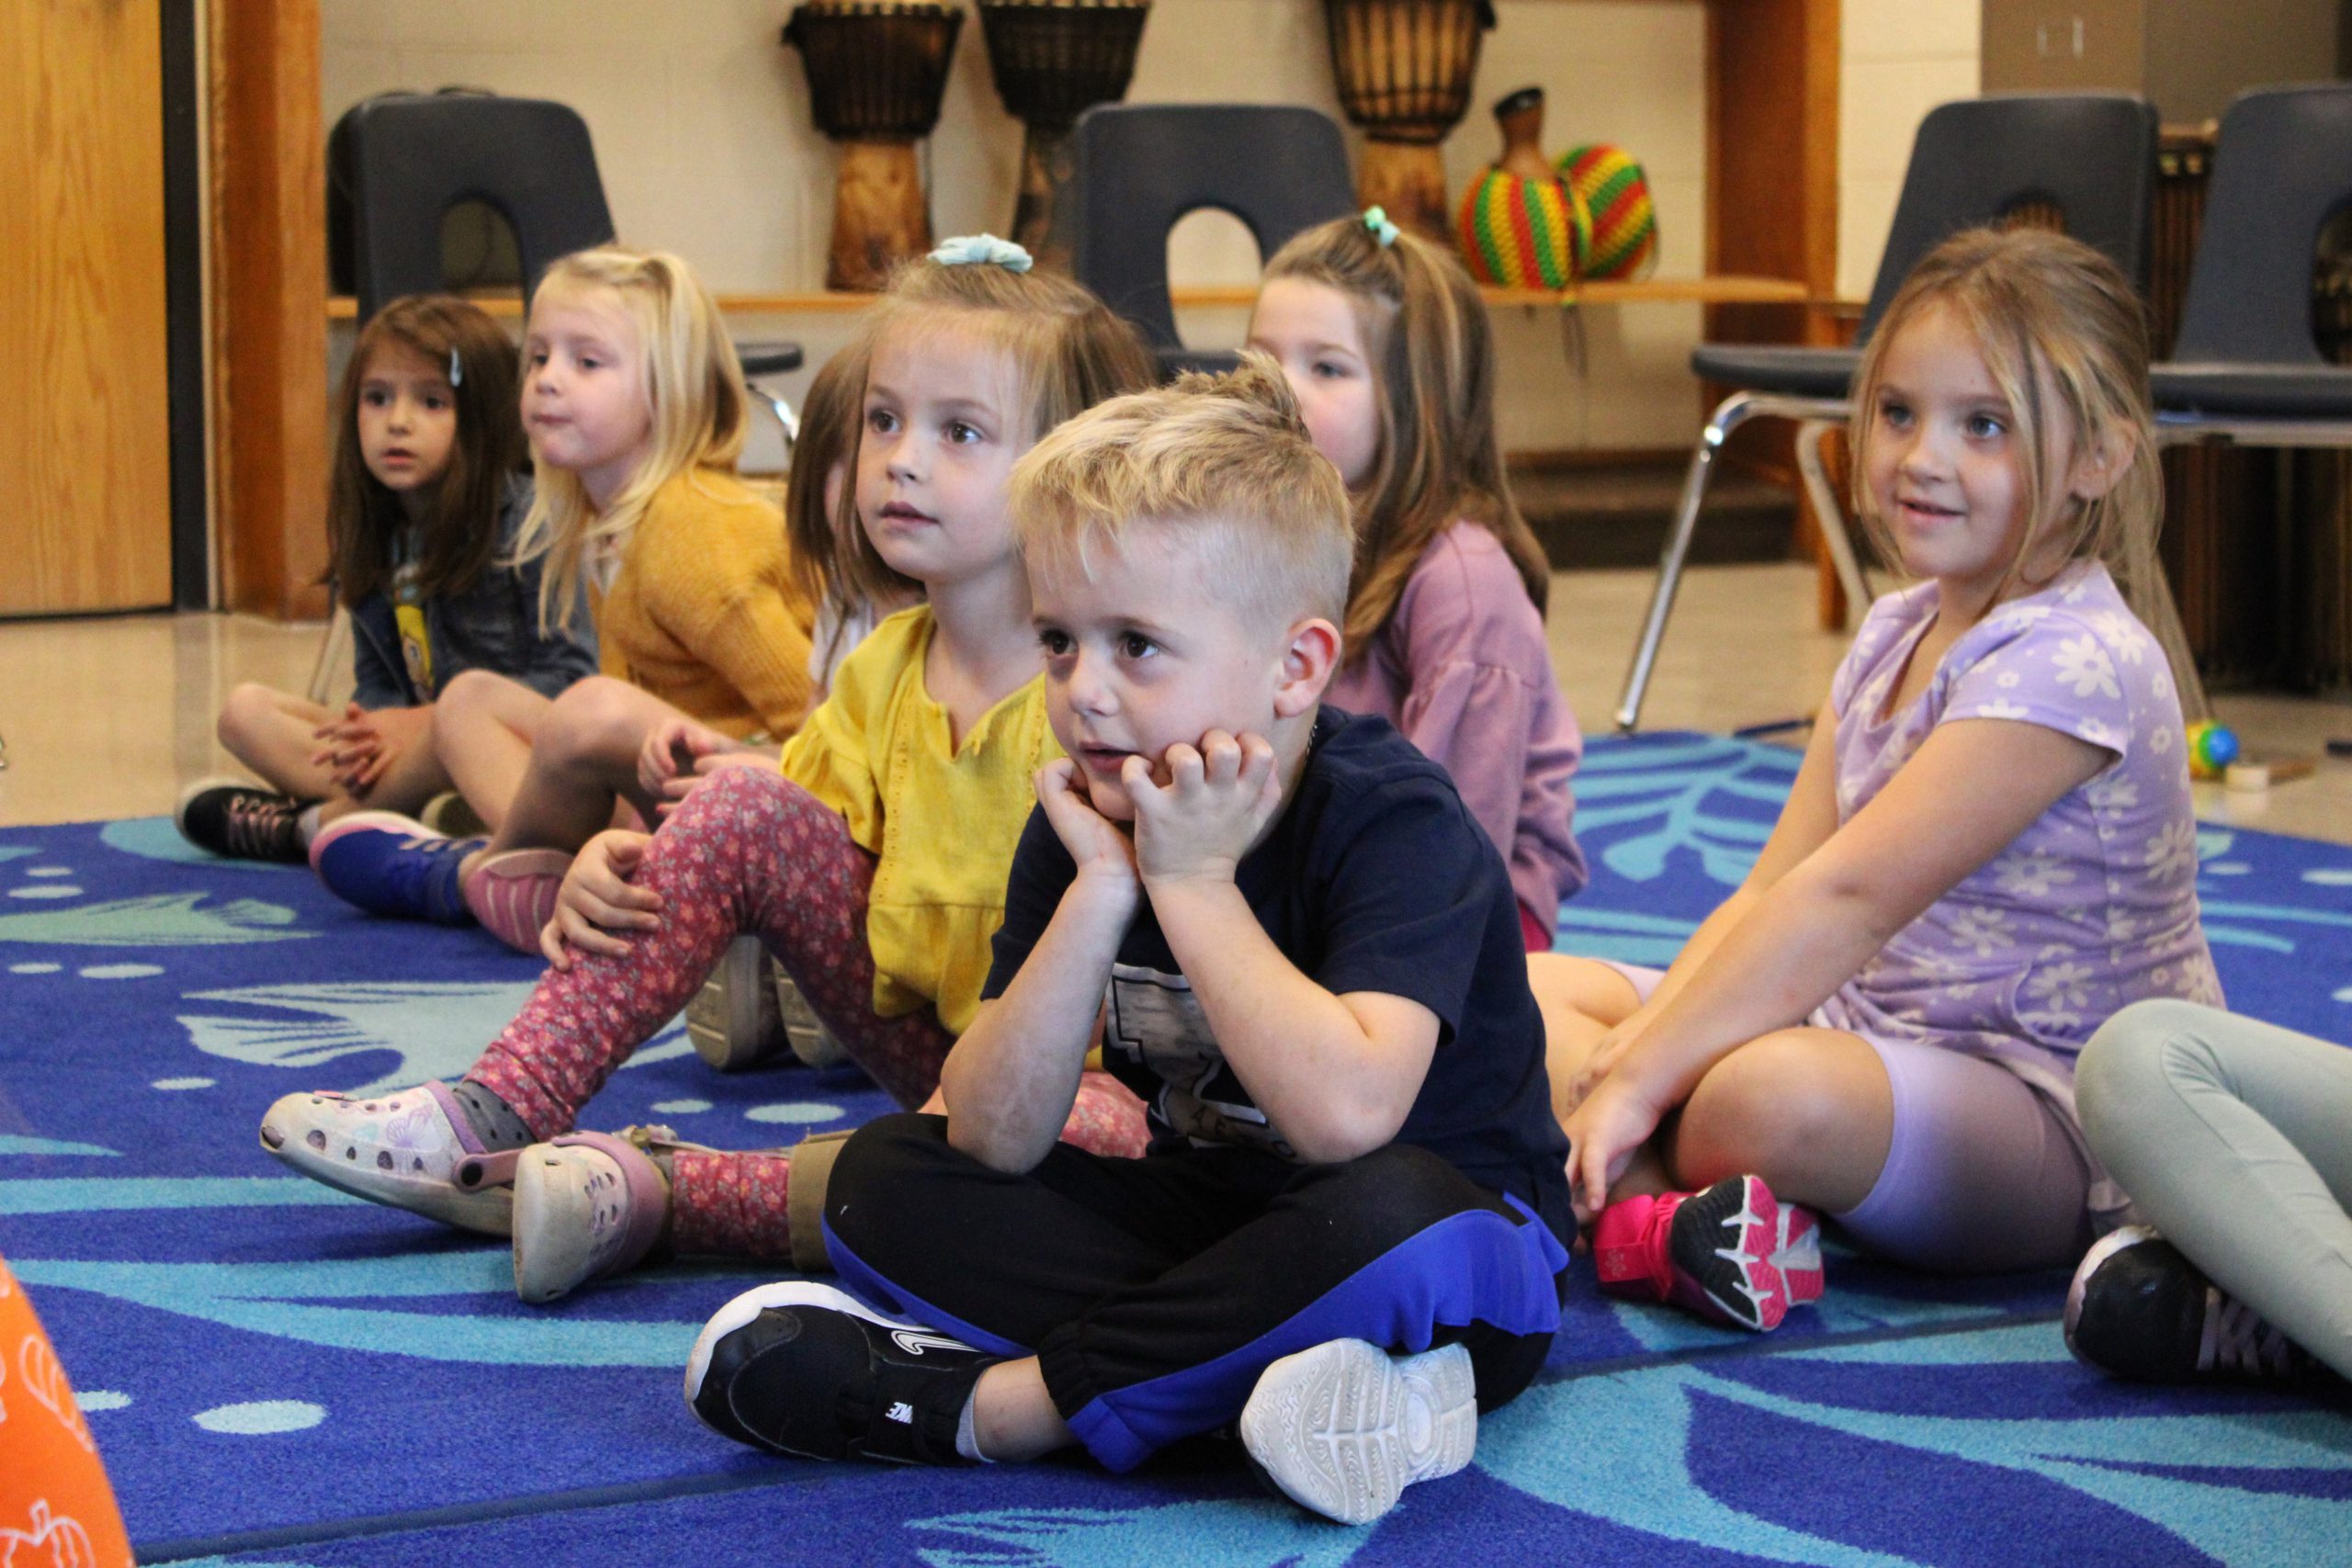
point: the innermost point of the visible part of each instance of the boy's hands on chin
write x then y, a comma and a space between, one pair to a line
1219, 798
1103, 853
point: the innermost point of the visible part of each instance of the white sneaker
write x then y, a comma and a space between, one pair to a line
733, 1020
811, 1042
1343, 1428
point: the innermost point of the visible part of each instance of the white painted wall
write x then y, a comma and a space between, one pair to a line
1901, 58
702, 128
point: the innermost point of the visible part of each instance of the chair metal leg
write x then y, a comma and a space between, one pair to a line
1834, 534
784, 415
1728, 416
334, 653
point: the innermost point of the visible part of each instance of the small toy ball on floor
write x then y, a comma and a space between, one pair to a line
2211, 749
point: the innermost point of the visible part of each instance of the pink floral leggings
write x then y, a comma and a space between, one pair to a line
747, 852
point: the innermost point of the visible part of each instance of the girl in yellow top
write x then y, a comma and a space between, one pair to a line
636, 411
873, 863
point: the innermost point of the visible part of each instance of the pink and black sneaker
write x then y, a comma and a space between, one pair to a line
1730, 1254
1797, 1254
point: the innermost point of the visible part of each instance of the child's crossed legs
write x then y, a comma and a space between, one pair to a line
1928, 1155
747, 852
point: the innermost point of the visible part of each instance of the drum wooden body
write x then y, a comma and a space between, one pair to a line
1053, 60
876, 71
1404, 69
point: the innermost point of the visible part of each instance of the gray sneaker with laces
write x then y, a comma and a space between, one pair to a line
2141, 1311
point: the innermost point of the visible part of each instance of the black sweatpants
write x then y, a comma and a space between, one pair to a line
1153, 1292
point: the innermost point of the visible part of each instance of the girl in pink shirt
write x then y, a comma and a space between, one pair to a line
1385, 340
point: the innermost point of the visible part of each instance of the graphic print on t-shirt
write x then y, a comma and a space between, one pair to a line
416, 645
1156, 1020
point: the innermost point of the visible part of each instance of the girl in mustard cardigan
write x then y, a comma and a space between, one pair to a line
635, 410
872, 864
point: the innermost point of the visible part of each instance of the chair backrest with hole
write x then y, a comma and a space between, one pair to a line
413, 158
2282, 169
2092, 156
1142, 167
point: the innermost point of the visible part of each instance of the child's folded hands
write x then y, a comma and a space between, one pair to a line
679, 754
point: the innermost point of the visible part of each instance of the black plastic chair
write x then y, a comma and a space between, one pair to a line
2092, 156
1142, 167
2246, 366
415, 157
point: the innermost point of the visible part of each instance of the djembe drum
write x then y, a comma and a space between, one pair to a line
876, 71
1404, 69
1053, 60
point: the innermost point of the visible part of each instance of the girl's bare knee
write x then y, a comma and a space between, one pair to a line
469, 690
250, 706
1790, 1107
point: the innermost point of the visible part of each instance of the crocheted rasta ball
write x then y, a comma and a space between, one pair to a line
1624, 223
1525, 233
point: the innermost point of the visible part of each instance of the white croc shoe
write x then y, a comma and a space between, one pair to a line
412, 1149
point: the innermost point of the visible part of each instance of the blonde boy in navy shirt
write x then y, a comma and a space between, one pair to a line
1293, 942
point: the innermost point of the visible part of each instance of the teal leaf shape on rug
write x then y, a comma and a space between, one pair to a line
155, 838
1254, 1534
290, 1300
18, 1143
161, 920
1648, 1485
436, 1030
1668, 791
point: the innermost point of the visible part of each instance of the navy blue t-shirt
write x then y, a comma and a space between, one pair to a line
1374, 878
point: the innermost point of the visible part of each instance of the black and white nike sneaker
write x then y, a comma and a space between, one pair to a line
809, 1370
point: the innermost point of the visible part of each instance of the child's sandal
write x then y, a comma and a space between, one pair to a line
413, 1149
586, 1205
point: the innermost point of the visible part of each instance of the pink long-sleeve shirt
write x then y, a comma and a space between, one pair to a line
1463, 671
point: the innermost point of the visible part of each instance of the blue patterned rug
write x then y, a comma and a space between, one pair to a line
277, 1374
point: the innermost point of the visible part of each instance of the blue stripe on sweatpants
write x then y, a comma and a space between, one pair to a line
864, 1281
1475, 1266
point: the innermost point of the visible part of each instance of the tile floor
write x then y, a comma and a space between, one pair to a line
108, 717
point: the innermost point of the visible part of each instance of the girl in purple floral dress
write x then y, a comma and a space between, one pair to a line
1988, 850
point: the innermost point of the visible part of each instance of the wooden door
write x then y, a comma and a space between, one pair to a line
85, 462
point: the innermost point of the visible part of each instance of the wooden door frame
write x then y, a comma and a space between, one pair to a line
267, 238
185, 326
1772, 85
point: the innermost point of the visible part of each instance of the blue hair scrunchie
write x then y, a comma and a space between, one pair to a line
1376, 219
456, 368
973, 250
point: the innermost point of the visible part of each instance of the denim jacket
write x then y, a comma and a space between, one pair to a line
494, 626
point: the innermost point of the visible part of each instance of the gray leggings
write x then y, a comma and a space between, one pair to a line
2234, 1139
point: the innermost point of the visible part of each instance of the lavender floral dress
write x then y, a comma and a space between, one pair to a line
2090, 909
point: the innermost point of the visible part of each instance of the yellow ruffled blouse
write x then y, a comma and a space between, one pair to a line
942, 819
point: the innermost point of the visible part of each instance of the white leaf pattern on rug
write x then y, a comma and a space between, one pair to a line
437, 1030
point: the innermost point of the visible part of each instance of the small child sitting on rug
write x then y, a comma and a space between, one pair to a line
1295, 943
1989, 849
